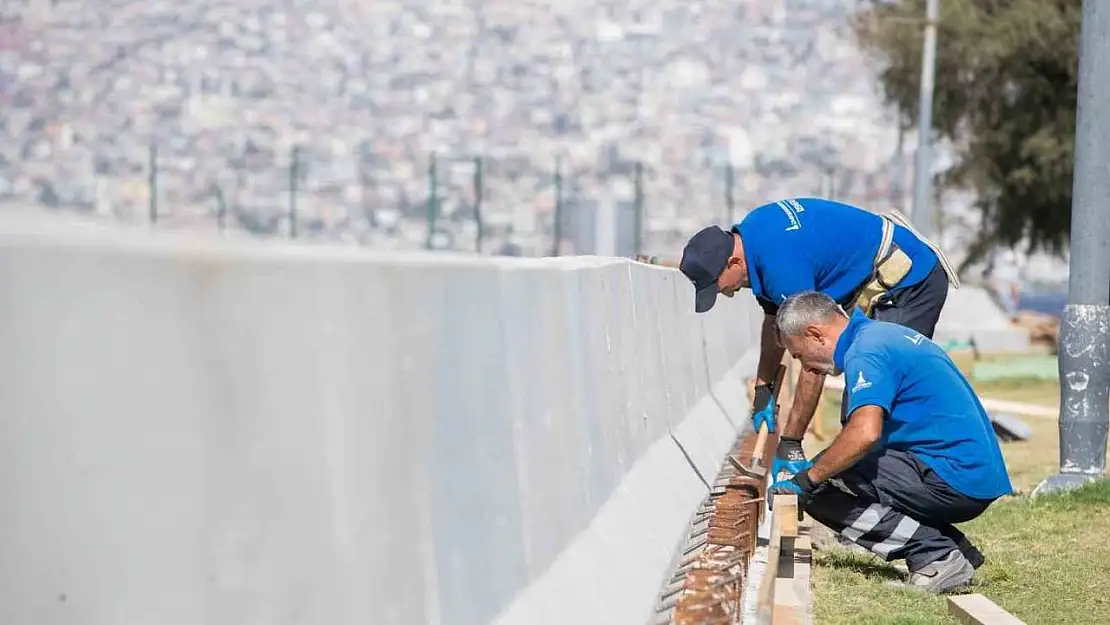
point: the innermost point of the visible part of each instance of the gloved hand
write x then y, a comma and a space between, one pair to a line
789, 457
763, 408
799, 485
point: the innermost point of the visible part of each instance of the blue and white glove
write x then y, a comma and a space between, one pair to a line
799, 485
789, 457
763, 408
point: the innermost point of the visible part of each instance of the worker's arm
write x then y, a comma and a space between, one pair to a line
770, 352
873, 377
806, 396
770, 356
864, 429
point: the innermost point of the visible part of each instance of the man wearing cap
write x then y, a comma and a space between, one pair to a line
877, 263
917, 454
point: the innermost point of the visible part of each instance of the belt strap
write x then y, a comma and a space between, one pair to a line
884, 243
896, 217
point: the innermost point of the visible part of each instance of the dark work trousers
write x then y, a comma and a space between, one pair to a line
917, 307
894, 505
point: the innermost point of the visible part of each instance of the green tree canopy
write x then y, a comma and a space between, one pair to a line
1007, 73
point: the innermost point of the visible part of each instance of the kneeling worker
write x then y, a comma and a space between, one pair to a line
918, 452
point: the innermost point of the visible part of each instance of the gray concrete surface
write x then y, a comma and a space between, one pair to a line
236, 433
970, 314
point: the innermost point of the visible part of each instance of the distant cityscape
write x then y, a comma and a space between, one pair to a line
367, 91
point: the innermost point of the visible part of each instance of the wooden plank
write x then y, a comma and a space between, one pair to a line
785, 593
978, 610
765, 601
785, 615
794, 592
789, 516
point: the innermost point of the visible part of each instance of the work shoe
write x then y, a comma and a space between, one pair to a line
972, 553
949, 573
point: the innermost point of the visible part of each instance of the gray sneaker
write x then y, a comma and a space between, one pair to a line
972, 553
949, 573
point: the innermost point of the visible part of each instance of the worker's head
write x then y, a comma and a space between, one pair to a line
809, 325
714, 261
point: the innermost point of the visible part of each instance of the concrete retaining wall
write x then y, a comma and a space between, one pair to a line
203, 432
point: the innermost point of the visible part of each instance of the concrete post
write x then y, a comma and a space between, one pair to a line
923, 178
1084, 372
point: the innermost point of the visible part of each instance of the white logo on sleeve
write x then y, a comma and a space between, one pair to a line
915, 338
791, 215
861, 383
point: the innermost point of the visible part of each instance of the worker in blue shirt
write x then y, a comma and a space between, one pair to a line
917, 454
877, 263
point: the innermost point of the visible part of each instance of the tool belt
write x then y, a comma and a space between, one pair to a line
892, 264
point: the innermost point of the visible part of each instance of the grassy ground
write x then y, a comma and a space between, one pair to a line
1048, 561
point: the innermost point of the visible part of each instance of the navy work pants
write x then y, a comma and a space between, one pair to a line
894, 505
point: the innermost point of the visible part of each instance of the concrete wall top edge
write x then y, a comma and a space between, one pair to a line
18, 230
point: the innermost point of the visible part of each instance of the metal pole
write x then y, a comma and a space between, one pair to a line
153, 199
432, 201
1084, 370
294, 162
478, 204
638, 218
730, 182
922, 179
558, 225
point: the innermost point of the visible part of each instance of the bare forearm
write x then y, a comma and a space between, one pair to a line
806, 396
853, 443
770, 353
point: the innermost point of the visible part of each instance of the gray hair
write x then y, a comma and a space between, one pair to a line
805, 309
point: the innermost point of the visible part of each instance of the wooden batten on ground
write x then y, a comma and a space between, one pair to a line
785, 595
978, 610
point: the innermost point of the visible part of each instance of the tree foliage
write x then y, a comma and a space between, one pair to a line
1006, 80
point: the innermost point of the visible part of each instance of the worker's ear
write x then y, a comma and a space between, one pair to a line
814, 333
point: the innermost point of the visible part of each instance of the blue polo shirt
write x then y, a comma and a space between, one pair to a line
813, 244
930, 409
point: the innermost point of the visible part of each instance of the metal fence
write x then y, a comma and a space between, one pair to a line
440, 201
393, 198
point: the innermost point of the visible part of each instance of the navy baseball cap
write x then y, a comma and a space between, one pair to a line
703, 260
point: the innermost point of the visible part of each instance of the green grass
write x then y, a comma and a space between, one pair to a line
1048, 561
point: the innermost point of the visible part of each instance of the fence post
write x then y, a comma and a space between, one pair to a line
558, 225
478, 204
828, 190
153, 182
638, 205
294, 171
432, 200
729, 191
221, 207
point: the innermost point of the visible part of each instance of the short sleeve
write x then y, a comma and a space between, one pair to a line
870, 381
